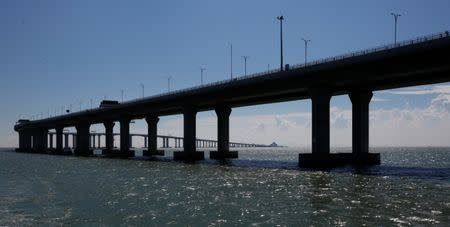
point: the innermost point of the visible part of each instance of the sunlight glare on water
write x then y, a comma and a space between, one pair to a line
263, 186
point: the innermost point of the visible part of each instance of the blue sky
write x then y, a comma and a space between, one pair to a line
63, 53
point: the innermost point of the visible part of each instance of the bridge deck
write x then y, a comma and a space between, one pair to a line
414, 62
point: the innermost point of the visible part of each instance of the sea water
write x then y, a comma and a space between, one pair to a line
263, 187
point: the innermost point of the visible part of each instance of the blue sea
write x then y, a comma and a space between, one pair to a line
263, 187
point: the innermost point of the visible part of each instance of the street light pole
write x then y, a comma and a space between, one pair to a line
281, 18
306, 48
396, 16
231, 60
142, 86
121, 92
201, 75
245, 64
168, 83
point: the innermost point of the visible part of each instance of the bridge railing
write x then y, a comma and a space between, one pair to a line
375, 49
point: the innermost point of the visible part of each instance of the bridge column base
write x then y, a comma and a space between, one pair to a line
83, 152
188, 156
153, 153
55, 151
223, 155
67, 151
106, 151
338, 159
116, 153
25, 150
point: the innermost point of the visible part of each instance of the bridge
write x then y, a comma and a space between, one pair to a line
177, 141
410, 63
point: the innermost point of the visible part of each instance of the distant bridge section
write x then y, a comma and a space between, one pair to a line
177, 142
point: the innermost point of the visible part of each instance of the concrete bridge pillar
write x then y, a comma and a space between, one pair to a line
125, 138
360, 121
93, 141
98, 142
83, 140
360, 126
44, 135
50, 142
320, 98
21, 141
74, 141
59, 139
131, 141
223, 134
145, 141
152, 133
66, 141
189, 153
109, 137
27, 141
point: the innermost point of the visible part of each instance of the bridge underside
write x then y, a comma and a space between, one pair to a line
84, 142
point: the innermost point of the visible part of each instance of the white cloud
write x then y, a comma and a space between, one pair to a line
436, 89
377, 99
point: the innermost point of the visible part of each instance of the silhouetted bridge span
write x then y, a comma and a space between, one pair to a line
415, 62
177, 141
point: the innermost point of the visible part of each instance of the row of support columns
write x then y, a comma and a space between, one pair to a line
206, 143
83, 141
320, 99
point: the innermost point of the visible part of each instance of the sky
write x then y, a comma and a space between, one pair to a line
57, 55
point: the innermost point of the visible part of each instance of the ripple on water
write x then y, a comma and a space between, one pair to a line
80, 191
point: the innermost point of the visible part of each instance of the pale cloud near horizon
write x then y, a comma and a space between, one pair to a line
377, 99
435, 89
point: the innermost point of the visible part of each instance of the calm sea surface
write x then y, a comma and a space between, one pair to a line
262, 187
